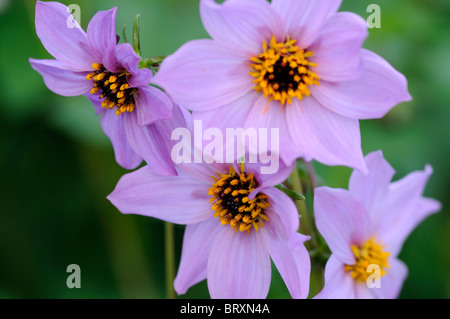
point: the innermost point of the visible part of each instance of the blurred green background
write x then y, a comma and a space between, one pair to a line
57, 166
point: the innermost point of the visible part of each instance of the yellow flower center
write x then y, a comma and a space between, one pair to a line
282, 71
115, 90
371, 253
231, 203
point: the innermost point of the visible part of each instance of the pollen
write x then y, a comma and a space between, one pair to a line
113, 88
283, 72
231, 203
370, 253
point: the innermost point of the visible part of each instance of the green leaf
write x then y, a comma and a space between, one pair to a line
292, 194
136, 40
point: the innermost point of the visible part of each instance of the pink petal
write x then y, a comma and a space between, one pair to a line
293, 263
176, 199
197, 242
113, 127
324, 135
271, 115
337, 49
62, 36
342, 221
60, 80
241, 25
152, 142
371, 189
391, 284
204, 75
238, 266
362, 291
152, 105
284, 210
128, 59
303, 19
338, 283
404, 209
101, 35
378, 89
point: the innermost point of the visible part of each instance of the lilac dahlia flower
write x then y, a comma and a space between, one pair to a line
93, 64
296, 65
367, 226
236, 221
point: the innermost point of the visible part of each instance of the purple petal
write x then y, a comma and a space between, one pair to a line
152, 105
242, 25
338, 283
337, 50
303, 19
378, 89
127, 59
60, 80
204, 76
404, 209
391, 283
342, 221
362, 291
176, 199
152, 142
293, 263
271, 115
197, 243
101, 35
113, 127
238, 266
62, 36
284, 210
371, 189
324, 135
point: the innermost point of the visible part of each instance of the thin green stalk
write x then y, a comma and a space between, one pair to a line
169, 259
305, 224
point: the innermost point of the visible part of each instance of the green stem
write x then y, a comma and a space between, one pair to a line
169, 259
305, 224
136, 40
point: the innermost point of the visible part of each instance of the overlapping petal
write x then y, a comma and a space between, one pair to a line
337, 49
176, 199
342, 221
197, 242
303, 19
292, 261
324, 135
238, 266
113, 127
62, 36
241, 25
59, 79
373, 94
101, 36
152, 105
203, 75
371, 189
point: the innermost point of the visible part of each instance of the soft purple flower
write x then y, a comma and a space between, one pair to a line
296, 65
236, 221
93, 64
367, 225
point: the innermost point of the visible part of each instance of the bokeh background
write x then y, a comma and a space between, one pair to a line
57, 166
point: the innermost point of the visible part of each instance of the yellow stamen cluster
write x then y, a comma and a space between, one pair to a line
231, 203
282, 71
370, 253
114, 88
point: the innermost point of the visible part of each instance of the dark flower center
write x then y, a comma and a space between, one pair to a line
231, 202
282, 71
114, 89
